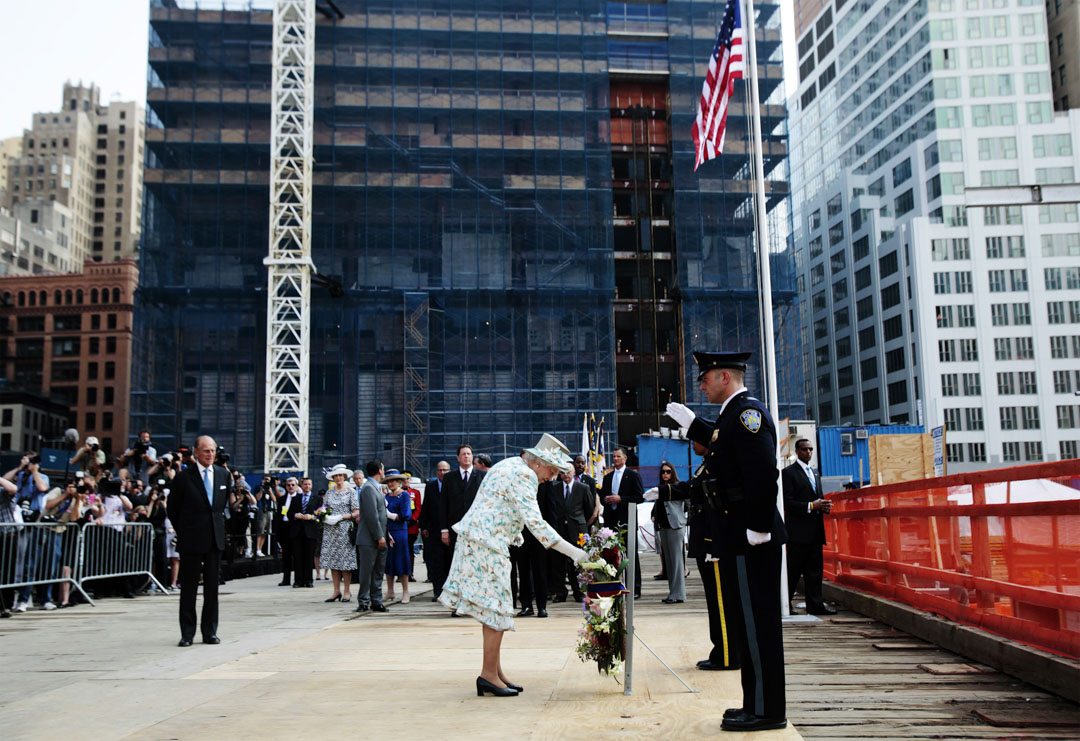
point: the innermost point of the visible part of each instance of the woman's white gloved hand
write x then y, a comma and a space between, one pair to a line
651, 495
572, 552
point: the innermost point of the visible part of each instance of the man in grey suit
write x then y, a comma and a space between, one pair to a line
371, 540
572, 504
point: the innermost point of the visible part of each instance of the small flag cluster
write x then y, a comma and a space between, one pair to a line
592, 447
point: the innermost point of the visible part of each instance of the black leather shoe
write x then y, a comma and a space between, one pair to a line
212, 640
823, 610
435, 599
753, 723
559, 599
379, 607
363, 607
637, 595
517, 687
735, 713
708, 666
659, 577
283, 583
541, 613
184, 642
669, 601
298, 585
526, 612
482, 686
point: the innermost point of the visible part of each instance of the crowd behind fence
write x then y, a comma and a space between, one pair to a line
70, 554
996, 549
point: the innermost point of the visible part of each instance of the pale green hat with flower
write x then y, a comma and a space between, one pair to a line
551, 451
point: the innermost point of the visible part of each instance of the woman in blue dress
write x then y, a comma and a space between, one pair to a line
398, 511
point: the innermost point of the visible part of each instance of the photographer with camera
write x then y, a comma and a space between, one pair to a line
157, 515
166, 467
242, 510
266, 496
66, 509
140, 457
9, 513
31, 487
90, 457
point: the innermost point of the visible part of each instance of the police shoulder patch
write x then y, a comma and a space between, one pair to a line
751, 420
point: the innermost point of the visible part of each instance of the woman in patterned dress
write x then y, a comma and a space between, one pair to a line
478, 583
338, 553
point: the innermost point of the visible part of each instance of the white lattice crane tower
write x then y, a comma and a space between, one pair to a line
288, 266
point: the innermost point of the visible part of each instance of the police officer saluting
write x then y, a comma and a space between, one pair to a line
741, 502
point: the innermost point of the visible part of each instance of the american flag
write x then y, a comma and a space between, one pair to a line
725, 66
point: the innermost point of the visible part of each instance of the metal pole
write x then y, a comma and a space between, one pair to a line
628, 598
764, 269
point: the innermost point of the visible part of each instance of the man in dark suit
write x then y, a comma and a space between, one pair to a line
622, 488
580, 465
741, 485
572, 504
305, 532
458, 492
196, 507
429, 529
532, 561
804, 518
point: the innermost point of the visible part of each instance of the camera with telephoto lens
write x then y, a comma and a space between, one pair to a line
222, 457
33, 459
139, 448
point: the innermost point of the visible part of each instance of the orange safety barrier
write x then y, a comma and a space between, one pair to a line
996, 549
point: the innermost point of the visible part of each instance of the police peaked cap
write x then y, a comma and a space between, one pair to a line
708, 361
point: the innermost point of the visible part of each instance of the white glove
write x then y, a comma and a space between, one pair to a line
332, 519
392, 516
680, 413
711, 559
755, 538
572, 552
651, 495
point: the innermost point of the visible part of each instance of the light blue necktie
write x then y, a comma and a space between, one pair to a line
810, 475
209, 486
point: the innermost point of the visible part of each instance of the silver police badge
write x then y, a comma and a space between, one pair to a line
751, 420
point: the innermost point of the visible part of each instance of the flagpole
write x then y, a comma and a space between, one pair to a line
764, 270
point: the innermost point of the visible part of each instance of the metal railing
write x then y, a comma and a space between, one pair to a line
43, 553
996, 549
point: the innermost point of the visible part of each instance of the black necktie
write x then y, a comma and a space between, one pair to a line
465, 476
566, 491
303, 504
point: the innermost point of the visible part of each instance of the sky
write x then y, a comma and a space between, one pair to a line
104, 42
46, 44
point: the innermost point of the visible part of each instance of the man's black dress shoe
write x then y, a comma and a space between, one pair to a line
541, 613
298, 585
482, 686
526, 612
735, 713
283, 583
212, 640
363, 607
823, 610
659, 577
435, 598
753, 723
184, 642
637, 595
708, 666
669, 601
379, 607
559, 598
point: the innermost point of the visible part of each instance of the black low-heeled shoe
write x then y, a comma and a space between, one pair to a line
516, 687
482, 686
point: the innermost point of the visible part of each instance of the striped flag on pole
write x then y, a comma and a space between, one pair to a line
725, 66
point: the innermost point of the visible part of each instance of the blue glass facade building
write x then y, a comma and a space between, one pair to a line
463, 201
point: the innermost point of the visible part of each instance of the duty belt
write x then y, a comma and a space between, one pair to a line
720, 498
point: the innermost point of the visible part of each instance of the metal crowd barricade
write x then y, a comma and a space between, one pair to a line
125, 549
40, 553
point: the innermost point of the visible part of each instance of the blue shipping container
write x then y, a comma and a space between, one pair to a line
839, 455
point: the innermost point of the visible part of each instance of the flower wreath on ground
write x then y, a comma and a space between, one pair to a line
603, 637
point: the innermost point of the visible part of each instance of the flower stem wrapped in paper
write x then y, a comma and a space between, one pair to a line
603, 637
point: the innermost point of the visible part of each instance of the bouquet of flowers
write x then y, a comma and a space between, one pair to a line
603, 637
321, 513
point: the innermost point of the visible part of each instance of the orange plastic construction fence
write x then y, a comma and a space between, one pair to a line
996, 549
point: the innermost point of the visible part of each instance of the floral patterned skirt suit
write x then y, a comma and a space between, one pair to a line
478, 583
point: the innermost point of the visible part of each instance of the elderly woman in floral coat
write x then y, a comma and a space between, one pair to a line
478, 583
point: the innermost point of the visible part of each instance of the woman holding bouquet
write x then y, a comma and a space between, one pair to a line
478, 583
341, 509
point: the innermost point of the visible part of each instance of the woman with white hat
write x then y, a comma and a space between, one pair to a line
478, 583
338, 553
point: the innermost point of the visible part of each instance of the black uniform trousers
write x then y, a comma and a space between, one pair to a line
533, 574
284, 538
192, 566
805, 559
303, 553
718, 598
754, 618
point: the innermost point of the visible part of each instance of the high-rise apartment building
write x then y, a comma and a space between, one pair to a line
69, 337
35, 238
1064, 37
10, 149
919, 309
504, 193
88, 157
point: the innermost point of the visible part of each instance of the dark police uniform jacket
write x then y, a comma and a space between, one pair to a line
741, 472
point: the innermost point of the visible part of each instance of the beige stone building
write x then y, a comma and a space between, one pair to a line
88, 157
10, 149
35, 238
1064, 33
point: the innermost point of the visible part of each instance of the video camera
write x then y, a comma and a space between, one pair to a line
222, 457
